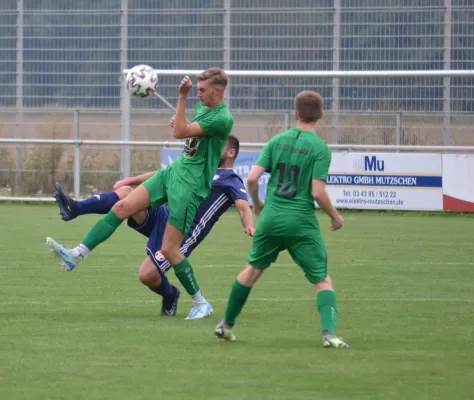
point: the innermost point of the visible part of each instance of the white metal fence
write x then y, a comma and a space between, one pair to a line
58, 58
343, 125
127, 140
63, 160
67, 54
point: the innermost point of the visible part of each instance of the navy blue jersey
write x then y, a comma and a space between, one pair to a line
227, 187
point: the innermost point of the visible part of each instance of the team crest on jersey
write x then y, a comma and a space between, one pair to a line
191, 147
159, 256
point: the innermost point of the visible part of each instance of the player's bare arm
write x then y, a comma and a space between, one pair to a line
321, 197
246, 217
181, 129
252, 184
133, 180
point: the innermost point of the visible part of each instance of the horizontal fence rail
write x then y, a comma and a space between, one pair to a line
177, 144
325, 74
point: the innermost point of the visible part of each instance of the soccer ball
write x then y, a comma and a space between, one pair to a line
142, 81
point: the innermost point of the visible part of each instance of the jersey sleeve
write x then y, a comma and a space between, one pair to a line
321, 164
214, 124
265, 158
236, 190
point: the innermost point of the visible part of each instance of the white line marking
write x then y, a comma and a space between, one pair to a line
308, 299
111, 267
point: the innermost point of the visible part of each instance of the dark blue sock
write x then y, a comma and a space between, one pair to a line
165, 288
98, 204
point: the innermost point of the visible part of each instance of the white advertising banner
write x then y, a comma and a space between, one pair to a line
458, 182
389, 181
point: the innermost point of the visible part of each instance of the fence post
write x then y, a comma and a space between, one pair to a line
226, 27
125, 158
398, 129
19, 126
336, 32
125, 150
447, 80
287, 121
77, 158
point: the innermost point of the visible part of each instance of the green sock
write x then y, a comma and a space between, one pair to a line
238, 297
184, 272
102, 230
327, 308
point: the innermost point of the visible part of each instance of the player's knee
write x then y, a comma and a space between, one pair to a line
171, 253
123, 191
249, 276
121, 209
325, 284
149, 276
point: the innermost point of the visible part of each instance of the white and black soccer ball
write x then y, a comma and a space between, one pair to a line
142, 81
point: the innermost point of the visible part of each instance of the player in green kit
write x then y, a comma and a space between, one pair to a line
298, 161
183, 185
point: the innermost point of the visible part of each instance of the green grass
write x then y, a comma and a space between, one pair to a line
406, 306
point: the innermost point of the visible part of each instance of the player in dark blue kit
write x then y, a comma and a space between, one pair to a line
227, 190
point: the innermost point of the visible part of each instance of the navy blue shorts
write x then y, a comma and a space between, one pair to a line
154, 229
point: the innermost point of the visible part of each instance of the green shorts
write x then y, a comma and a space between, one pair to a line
164, 187
308, 251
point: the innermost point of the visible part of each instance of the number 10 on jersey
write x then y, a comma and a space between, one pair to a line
287, 180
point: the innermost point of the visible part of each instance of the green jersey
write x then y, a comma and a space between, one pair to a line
198, 163
294, 158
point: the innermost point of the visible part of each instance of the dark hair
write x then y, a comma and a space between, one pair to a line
215, 76
309, 106
234, 144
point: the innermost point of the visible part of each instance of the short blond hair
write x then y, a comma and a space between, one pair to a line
215, 76
309, 106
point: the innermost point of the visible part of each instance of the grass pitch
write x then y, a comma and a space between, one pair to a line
405, 285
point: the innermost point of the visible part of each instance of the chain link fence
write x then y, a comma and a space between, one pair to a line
71, 56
